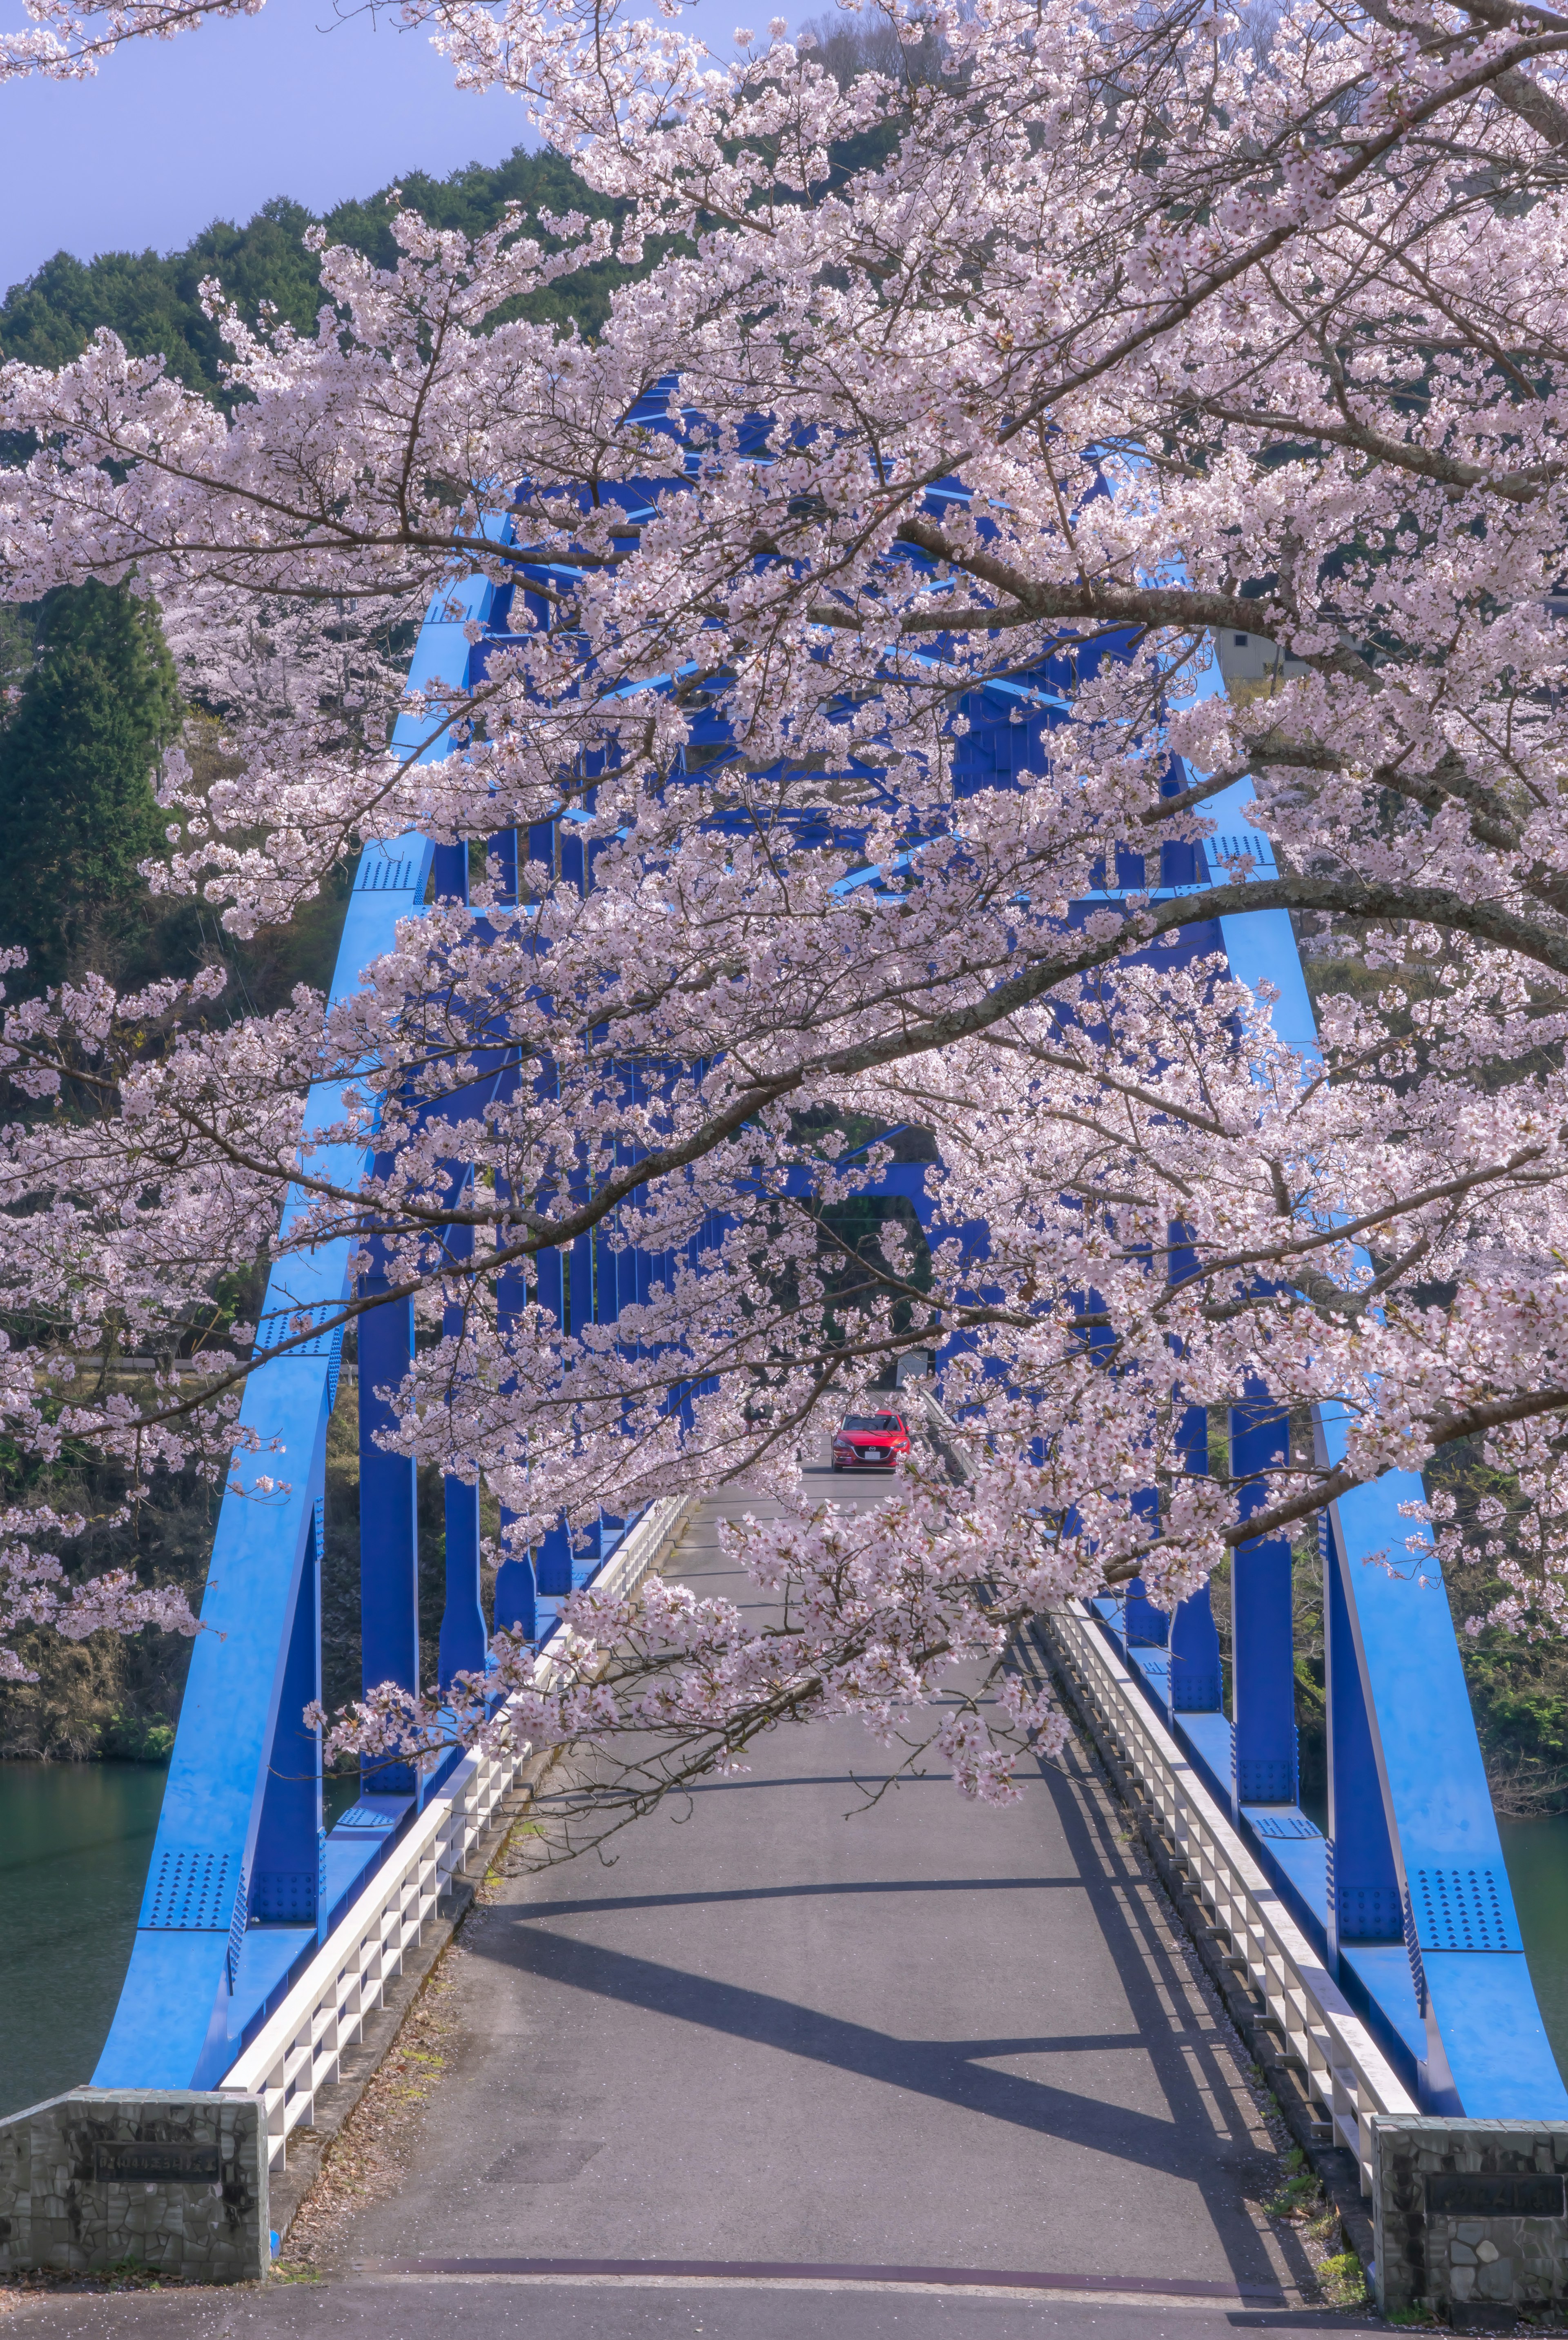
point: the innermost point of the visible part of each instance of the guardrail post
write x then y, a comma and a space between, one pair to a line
388, 1534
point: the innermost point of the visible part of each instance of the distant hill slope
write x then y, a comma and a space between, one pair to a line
153, 302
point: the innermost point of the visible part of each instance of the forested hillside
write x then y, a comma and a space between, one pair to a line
153, 301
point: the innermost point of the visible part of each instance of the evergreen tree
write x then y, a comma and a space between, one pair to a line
77, 757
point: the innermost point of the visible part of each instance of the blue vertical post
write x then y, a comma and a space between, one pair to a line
1196, 1682
548, 1281
579, 1281
542, 844
515, 1609
463, 1639
634, 1260
286, 1875
606, 1272
1197, 1676
577, 1300
609, 1279
1261, 1628
552, 1560
503, 848
449, 873
1365, 1904
462, 1631
389, 1535
1144, 1626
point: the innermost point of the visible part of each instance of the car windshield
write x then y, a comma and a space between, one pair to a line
871, 1421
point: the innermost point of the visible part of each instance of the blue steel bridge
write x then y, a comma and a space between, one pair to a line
1381, 1950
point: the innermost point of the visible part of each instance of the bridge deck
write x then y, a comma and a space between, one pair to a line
932, 2036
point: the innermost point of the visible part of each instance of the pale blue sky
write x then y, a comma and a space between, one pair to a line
174, 134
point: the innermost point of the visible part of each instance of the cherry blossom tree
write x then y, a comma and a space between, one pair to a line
1115, 330
268, 660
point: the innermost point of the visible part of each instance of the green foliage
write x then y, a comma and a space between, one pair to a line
852, 1234
1297, 2193
113, 1696
153, 302
77, 757
18, 627
1298, 2186
1518, 1688
1342, 2279
472, 202
130, 1737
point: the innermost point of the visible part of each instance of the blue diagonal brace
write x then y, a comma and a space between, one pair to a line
179, 2018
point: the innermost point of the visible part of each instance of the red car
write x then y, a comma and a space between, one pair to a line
870, 1441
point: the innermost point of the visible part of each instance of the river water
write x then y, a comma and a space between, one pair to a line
1536, 1852
76, 1840
74, 1843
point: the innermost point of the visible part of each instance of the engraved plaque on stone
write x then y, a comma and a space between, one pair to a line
123, 2158
1467, 2194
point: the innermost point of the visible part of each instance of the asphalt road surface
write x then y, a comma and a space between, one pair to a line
930, 2072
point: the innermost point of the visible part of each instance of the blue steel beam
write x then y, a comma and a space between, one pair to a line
389, 1512
1419, 1816
461, 1648
206, 1959
1361, 1884
1409, 1893
1196, 1684
1263, 1659
1485, 2048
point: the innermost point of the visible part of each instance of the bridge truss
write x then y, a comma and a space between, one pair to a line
251, 1945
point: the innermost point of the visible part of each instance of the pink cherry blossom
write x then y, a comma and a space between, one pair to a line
1130, 337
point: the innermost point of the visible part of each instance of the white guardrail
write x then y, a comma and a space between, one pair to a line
295, 2054
1344, 2072
1321, 2039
